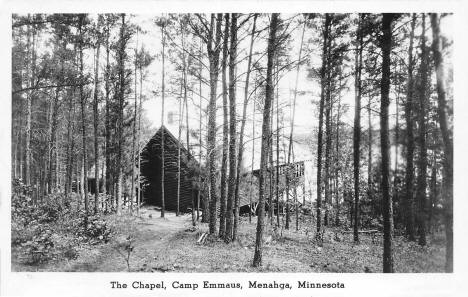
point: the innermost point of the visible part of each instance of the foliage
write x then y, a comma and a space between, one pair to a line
124, 247
47, 231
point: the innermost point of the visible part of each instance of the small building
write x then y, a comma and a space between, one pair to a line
151, 172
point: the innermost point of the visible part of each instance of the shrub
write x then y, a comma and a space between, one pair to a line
39, 248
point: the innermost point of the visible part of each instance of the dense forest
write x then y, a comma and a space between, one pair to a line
367, 97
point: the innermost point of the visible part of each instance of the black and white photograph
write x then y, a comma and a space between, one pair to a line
252, 142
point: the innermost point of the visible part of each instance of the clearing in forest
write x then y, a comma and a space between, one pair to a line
170, 245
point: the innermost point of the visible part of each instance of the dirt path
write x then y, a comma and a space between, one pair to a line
153, 237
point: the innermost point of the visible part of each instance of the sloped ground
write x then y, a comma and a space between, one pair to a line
169, 245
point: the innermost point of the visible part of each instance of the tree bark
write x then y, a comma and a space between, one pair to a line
134, 136
31, 60
213, 56
323, 72
409, 176
107, 142
163, 93
337, 157
229, 236
386, 46
443, 115
83, 118
181, 115
422, 162
140, 66
121, 66
357, 127
205, 196
257, 261
224, 162
96, 121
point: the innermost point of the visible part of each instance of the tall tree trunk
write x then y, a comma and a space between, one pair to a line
224, 162
96, 121
323, 72
163, 94
270, 152
433, 195
337, 157
328, 132
134, 136
70, 143
257, 261
31, 60
83, 119
213, 55
181, 115
140, 66
422, 162
53, 149
277, 159
121, 66
397, 137
107, 142
357, 127
253, 154
229, 236
409, 177
205, 196
386, 46
443, 115
240, 151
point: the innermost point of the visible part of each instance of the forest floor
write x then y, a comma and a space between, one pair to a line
170, 245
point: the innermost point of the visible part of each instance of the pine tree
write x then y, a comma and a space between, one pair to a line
257, 261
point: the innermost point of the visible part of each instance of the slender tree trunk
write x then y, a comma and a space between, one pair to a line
138, 139
134, 136
53, 149
31, 54
70, 143
328, 132
270, 151
181, 115
409, 177
370, 181
337, 157
253, 154
121, 65
205, 196
229, 236
277, 160
397, 137
443, 115
163, 94
433, 195
257, 261
357, 127
386, 46
224, 162
323, 72
107, 143
96, 120
83, 120
240, 151
422, 172
213, 55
